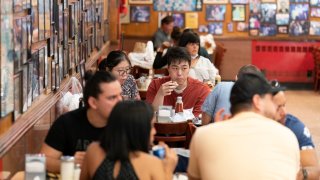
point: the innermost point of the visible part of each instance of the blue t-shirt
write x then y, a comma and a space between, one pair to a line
218, 98
301, 131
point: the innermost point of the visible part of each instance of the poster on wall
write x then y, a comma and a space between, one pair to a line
192, 20
315, 3
299, 12
282, 29
283, 6
215, 12
215, 1
215, 28
239, 1
282, 19
268, 12
203, 29
255, 6
314, 28
315, 12
238, 12
140, 1
182, 5
140, 14
178, 20
298, 28
268, 30
7, 58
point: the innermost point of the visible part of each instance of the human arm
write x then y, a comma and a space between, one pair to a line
201, 96
170, 161
309, 162
208, 107
52, 158
92, 160
193, 166
206, 118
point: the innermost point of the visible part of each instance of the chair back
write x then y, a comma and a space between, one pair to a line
218, 54
175, 134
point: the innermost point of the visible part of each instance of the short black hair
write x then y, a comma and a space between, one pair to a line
188, 37
178, 54
112, 60
92, 87
167, 20
128, 129
176, 33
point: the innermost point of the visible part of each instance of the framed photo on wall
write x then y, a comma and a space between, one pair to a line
17, 32
140, 1
282, 19
230, 27
298, 28
238, 12
282, 29
24, 40
24, 87
140, 14
41, 11
35, 82
65, 29
17, 81
255, 6
299, 12
177, 6
215, 28
41, 69
254, 21
18, 6
215, 12
215, 1
268, 12
35, 21
179, 20
268, 30
203, 28
47, 19
315, 12
314, 28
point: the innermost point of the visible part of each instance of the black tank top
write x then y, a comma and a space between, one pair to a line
105, 171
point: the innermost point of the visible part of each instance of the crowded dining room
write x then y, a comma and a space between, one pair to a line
160, 89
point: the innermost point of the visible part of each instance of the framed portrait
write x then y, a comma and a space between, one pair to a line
298, 28
314, 28
25, 87
35, 76
82, 69
65, 62
50, 43
30, 77
35, 21
177, 6
17, 81
61, 61
242, 27
71, 20
255, 6
41, 69
215, 1
58, 77
26, 4
282, 19
125, 17
18, 6
29, 35
41, 11
17, 32
238, 12
47, 18
315, 12
24, 40
53, 75
178, 20
230, 27
140, 1
254, 32
215, 28
65, 4
239, 1
254, 21
314, 3
140, 14
61, 18
282, 29
215, 12
48, 74
65, 29
203, 28
283, 6
299, 1
268, 12
268, 30
299, 12
268, 1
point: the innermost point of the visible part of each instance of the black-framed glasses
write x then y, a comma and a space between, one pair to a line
123, 72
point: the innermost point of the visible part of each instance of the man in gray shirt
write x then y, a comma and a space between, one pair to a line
164, 32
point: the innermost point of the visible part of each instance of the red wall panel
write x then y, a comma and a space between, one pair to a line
284, 61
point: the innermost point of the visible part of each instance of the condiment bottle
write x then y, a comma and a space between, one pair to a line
179, 105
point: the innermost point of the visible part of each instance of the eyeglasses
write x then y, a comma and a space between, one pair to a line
122, 72
275, 83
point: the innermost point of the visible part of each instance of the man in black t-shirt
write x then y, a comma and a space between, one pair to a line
72, 132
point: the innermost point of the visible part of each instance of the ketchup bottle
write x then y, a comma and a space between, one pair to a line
179, 105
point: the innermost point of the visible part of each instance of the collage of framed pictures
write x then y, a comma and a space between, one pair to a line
64, 33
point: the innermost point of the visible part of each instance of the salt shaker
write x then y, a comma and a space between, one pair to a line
67, 167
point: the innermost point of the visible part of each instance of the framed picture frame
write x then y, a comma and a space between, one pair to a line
203, 28
47, 18
315, 12
42, 29
17, 81
25, 31
82, 69
215, 1
177, 6
65, 4
242, 27
254, 32
314, 3
17, 32
25, 87
42, 70
283, 6
61, 61
238, 12
49, 74
61, 21
58, 77
26, 4
299, 1
66, 66
282, 19
268, 30
255, 6
29, 35
314, 28
283, 30
268, 13
18, 6
230, 27
35, 22
215, 28
35, 75
215, 12
30, 79
140, 14
254, 21
239, 1
298, 28
65, 29
299, 12
71, 20
53, 75
140, 1
50, 43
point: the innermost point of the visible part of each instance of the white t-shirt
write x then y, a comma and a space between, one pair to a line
203, 70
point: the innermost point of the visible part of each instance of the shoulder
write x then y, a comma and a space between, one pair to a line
197, 85
71, 116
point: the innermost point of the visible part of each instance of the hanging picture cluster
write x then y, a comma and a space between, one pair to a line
43, 41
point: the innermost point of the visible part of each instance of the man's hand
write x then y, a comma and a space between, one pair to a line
78, 157
167, 87
218, 116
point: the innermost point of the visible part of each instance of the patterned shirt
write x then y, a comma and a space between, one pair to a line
130, 89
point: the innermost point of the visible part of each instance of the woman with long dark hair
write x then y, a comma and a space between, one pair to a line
122, 152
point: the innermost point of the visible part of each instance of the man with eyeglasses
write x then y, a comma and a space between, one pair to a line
308, 156
164, 91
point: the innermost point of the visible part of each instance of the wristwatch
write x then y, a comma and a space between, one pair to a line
305, 174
